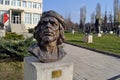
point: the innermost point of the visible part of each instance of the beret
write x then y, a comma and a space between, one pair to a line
54, 14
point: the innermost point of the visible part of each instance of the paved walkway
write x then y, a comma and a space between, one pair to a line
89, 65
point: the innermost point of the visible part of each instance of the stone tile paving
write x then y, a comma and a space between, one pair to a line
90, 65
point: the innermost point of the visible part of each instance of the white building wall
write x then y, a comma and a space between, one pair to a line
23, 10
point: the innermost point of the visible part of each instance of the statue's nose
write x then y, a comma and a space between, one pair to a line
48, 24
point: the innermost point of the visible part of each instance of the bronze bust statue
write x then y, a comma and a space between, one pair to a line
49, 34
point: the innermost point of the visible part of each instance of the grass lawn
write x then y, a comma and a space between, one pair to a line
11, 70
107, 42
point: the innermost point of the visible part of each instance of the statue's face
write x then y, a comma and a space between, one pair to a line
49, 29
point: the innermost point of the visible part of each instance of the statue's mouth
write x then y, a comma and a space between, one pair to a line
48, 33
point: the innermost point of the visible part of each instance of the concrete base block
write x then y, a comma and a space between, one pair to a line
2, 33
118, 35
88, 38
111, 32
73, 32
60, 70
99, 34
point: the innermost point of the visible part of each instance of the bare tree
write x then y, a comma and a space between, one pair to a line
105, 28
92, 27
116, 11
98, 11
92, 17
119, 15
116, 6
98, 17
83, 17
69, 24
110, 21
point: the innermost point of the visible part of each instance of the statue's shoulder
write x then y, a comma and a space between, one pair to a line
34, 49
62, 52
34, 46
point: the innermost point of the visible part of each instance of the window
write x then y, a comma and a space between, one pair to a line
18, 3
1, 1
13, 2
36, 18
28, 18
29, 5
34, 5
38, 5
24, 4
7, 2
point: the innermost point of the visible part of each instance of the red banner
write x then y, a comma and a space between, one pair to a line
5, 17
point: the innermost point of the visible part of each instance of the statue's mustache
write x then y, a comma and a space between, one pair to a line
49, 31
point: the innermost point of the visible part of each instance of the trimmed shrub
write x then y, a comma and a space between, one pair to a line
15, 49
13, 36
31, 30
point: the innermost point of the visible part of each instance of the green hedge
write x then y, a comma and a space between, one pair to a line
13, 36
31, 30
15, 49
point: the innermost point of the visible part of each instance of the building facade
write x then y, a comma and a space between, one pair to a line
19, 15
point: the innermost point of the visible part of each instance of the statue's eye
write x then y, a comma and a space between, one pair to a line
43, 22
53, 23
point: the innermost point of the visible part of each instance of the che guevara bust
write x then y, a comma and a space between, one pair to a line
49, 34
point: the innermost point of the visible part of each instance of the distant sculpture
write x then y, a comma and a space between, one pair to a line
97, 25
49, 34
1, 26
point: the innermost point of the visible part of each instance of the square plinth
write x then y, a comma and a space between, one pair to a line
59, 70
88, 38
2, 33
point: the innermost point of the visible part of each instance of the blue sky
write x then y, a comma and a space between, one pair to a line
72, 7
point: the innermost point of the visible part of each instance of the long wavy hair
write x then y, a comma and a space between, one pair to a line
37, 32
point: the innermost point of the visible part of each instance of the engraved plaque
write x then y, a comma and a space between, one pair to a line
56, 74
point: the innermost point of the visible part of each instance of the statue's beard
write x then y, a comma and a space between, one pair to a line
49, 35
48, 38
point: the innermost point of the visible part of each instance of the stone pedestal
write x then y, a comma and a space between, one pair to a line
111, 32
60, 70
99, 34
73, 31
2, 33
88, 38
